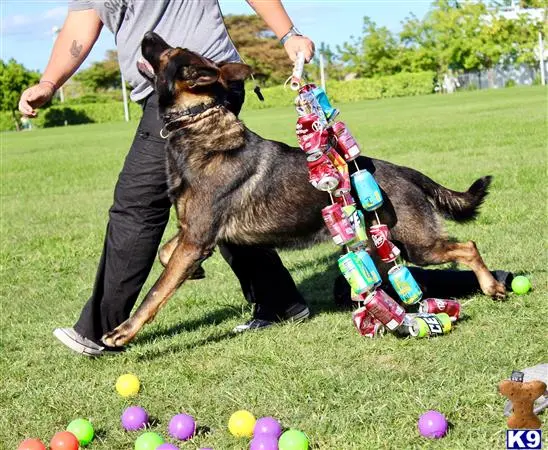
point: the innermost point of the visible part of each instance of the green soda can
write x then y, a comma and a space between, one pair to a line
355, 216
423, 325
352, 269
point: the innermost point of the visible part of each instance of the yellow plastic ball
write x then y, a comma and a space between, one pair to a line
128, 385
241, 423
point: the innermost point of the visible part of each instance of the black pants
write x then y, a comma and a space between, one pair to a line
137, 220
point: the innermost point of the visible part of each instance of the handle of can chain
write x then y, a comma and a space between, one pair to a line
297, 74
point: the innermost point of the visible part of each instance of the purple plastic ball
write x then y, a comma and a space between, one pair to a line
269, 426
182, 426
433, 425
167, 446
134, 418
264, 442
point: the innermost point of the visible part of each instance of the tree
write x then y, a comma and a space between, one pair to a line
102, 76
521, 3
467, 37
259, 48
373, 53
333, 66
14, 79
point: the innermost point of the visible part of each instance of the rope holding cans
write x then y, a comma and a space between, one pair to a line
329, 147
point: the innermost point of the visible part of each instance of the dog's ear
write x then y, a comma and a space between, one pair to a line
204, 76
235, 71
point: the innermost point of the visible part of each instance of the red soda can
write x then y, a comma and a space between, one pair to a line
385, 309
308, 129
387, 251
338, 224
441, 305
366, 324
307, 88
322, 174
313, 142
346, 143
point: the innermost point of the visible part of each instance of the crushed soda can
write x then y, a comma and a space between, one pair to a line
338, 224
345, 142
366, 324
425, 325
385, 309
321, 173
441, 305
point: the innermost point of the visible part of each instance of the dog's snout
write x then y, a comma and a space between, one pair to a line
152, 46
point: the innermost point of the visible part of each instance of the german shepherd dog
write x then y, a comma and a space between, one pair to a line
230, 185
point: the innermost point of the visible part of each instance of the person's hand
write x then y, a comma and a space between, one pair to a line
296, 44
34, 97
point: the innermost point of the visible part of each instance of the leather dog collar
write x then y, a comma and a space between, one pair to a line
180, 115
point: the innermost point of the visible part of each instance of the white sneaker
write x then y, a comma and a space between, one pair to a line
80, 344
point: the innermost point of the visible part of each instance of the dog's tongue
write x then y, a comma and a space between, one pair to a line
144, 66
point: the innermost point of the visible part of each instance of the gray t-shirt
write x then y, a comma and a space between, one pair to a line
194, 24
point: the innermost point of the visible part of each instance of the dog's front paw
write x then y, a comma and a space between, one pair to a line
121, 335
497, 291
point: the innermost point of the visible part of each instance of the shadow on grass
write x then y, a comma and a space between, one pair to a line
153, 353
212, 318
325, 291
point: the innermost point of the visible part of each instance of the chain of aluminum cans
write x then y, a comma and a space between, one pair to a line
329, 147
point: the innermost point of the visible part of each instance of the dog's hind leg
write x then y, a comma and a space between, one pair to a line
184, 260
464, 253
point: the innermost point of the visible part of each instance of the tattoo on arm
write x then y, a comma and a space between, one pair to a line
76, 49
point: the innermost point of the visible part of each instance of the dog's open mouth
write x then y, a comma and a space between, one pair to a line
145, 68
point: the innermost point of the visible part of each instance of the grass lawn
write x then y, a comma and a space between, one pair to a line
344, 391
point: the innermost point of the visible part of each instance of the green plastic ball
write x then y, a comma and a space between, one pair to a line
148, 441
293, 440
83, 430
521, 285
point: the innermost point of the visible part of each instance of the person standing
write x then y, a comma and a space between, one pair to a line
140, 209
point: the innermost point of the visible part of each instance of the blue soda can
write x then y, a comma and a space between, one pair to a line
352, 269
405, 285
372, 275
368, 190
323, 101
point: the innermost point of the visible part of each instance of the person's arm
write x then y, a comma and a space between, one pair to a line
80, 31
275, 16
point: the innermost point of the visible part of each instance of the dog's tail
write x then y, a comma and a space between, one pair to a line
457, 206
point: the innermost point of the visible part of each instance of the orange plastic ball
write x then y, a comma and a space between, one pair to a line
31, 444
64, 440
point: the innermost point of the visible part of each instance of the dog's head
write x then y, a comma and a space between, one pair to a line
182, 77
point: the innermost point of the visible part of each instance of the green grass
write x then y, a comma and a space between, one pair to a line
344, 391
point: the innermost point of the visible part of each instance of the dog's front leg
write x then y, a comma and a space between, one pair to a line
183, 262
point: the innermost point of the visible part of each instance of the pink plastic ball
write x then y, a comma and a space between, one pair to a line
167, 446
134, 418
267, 425
433, 425
264, 442
182, 426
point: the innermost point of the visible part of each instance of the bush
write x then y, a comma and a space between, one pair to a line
99, 109
6, 121
400, 85
510, 83
87, 113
